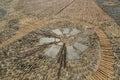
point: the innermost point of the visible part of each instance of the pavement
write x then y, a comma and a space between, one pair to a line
111, 10
38, 36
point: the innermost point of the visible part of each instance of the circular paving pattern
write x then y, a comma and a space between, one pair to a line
62, 49
70, 48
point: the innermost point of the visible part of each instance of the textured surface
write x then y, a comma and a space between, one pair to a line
58, 40
112, 7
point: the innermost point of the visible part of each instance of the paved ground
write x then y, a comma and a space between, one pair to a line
112, 9
37, 38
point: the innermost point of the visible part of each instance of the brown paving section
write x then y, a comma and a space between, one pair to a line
86, 10
24, 30
106, 70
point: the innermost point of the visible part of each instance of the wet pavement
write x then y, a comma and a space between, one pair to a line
112, 10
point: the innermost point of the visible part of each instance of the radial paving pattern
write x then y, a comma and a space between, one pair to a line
58, 53
62, 50
66, 37
71, 48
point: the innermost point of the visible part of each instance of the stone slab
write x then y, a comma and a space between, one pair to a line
80, 46
71, 53
57, 31
74, 31
53, 51
46, 40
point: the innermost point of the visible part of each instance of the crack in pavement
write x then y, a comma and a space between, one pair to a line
64, 7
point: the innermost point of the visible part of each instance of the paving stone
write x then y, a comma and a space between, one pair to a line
71, 53
60, 43
57, 40
68, 35
57, 31
46, 40
74, 31
53, 51
80, 39
80, 46
66, 30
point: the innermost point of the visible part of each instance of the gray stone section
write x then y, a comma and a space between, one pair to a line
46, 40
80, 46
5, 1
57, 31
53, 51
71, 53
80, 39
2, 13
66, 30
74, 31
